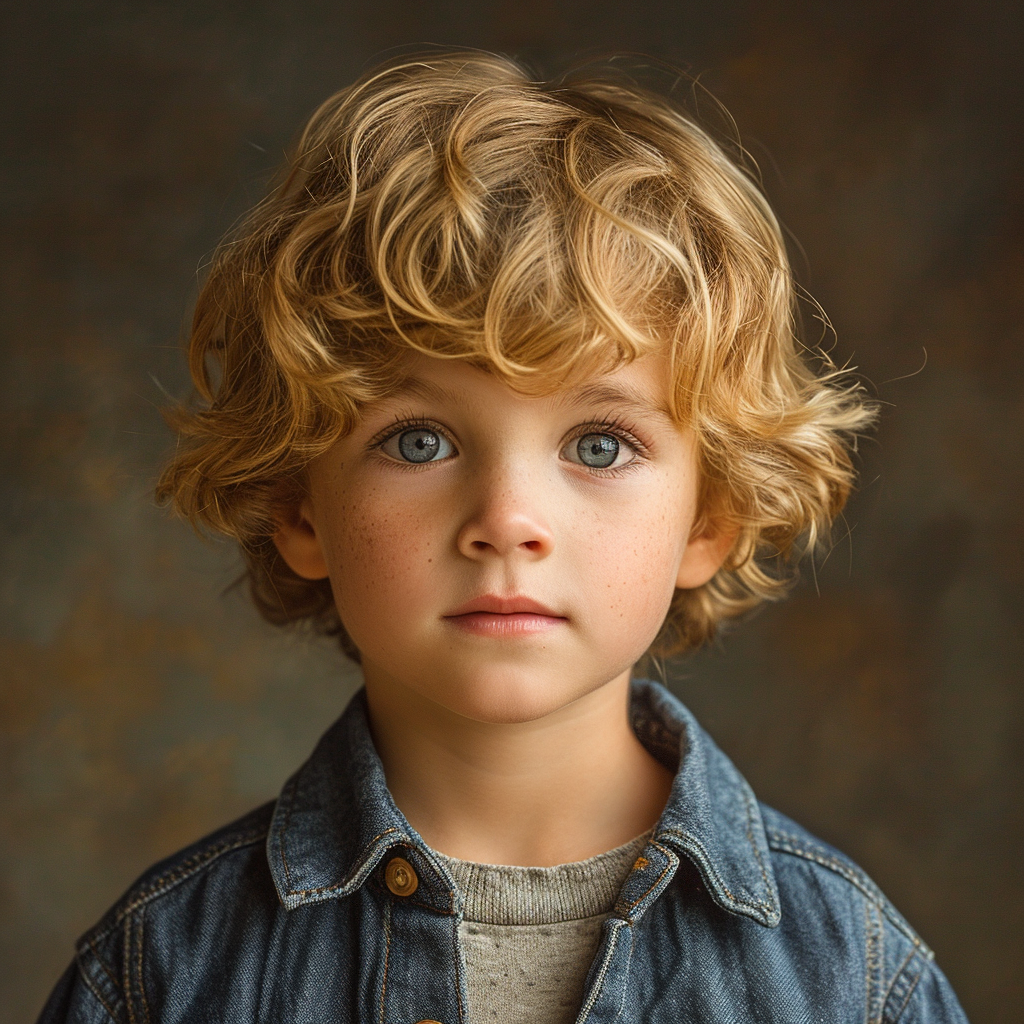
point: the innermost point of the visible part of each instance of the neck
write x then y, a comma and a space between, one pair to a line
563, 788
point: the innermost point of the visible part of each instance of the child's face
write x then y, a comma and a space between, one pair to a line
504, 555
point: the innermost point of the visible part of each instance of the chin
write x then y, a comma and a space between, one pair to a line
510, 696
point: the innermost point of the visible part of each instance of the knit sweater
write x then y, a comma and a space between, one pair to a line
529, 935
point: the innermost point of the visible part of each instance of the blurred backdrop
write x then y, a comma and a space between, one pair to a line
141, 705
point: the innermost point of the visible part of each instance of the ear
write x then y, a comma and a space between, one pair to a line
705, 552
299, 545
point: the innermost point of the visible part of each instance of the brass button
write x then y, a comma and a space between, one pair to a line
400, 878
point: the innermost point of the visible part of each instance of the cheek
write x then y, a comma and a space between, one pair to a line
634, 562
378, 555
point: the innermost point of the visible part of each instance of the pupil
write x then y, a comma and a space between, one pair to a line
419, 445
598, 450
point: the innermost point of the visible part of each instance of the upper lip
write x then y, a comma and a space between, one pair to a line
495, 604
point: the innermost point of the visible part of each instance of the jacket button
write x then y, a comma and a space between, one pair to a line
400, 878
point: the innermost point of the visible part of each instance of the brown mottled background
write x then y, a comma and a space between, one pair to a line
141, 707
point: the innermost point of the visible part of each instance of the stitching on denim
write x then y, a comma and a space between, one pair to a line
387, 951
709, 867
873, 961
654, 885
410, 901
138, 963
897, 978
96, 992
458, 969
339, 885
96, 953
747, 797
166, 882
190, 867
288, 794
903, 986
622, 988
787, 843
127, 954
603, 970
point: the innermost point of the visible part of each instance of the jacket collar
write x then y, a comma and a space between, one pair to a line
335, 821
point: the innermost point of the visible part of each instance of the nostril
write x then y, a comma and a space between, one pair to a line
532, 545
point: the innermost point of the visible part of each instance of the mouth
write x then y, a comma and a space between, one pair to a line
492, 615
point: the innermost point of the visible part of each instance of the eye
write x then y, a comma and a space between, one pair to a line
598, 451
418, 445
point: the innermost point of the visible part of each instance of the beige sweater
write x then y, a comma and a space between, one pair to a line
529, 934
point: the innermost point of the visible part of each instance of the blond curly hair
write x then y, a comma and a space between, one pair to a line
452, 205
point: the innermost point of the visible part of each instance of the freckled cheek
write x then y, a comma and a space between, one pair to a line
636, 570
380, 554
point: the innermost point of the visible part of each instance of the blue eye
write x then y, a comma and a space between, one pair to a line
599, 451
419, 445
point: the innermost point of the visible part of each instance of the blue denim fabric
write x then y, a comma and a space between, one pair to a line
732, 914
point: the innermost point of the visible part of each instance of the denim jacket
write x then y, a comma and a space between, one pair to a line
733, 913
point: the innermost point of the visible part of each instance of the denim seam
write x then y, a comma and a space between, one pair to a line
709, 867
166, 882
458, 968
138, 963
290, 791
106, 970
654, 885
622, 988
127, 955
903, 986
873, 963
96, 992
602, 971
336, 886
430, 906
748, 798
897, 979
387, 951
786, 843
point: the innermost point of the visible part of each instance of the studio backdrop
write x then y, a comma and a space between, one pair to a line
142, 702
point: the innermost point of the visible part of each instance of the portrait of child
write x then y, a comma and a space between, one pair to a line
505, 391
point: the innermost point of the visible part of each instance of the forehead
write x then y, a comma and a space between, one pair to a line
641, 387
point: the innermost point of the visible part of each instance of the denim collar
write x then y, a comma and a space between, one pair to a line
335, 821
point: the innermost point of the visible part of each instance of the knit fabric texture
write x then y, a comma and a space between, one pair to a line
529, 935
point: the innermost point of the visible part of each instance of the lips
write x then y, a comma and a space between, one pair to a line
493, 615
492, 604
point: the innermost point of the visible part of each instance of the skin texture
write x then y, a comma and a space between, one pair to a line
503, 732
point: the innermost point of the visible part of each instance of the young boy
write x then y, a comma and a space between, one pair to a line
501, 388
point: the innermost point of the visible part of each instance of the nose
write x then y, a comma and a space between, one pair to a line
507, 520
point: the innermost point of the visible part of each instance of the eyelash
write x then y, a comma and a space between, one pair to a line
399, 426
616, 428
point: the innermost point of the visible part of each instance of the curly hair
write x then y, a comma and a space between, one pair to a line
449, 204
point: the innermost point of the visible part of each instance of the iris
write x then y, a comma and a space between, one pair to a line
598, 451
419, 445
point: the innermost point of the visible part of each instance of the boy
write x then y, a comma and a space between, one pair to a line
501, 388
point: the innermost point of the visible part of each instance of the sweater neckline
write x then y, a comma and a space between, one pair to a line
512, 895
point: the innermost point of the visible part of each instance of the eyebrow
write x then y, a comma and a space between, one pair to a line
419, 388
593, 393
620, 395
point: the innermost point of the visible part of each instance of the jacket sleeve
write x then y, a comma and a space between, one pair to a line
931, 1002
73, 1001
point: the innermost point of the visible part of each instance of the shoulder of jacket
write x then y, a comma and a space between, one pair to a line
166, 875
788, 839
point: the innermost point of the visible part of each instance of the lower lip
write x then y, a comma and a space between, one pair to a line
516, 624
